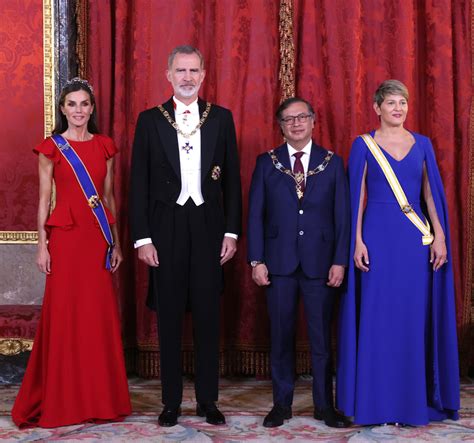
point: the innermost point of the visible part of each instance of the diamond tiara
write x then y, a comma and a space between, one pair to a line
80, 80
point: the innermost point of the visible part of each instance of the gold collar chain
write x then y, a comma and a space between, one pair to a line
299, 177
175, 125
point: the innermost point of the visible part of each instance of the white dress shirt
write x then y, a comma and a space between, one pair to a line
187, 117
304, 158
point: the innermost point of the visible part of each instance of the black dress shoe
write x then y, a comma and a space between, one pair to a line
212, 414
331, 418
169, 416
277, 416
396, 424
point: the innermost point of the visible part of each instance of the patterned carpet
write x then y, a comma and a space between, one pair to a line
244, 402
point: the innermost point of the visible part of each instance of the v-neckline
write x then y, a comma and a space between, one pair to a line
391, 156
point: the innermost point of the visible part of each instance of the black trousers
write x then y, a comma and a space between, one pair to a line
189, 276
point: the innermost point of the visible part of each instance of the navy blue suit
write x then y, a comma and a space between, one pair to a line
299, 241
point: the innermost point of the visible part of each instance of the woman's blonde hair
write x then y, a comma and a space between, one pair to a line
390, 87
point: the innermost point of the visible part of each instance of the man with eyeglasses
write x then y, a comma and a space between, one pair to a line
298, 243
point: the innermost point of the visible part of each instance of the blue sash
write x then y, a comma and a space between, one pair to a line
88, 188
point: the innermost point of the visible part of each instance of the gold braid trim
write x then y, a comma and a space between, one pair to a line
287, 50
82, 16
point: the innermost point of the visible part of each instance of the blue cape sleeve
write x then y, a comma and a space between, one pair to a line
442, 364
348, 309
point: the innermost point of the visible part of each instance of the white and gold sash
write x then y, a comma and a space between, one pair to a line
397, 189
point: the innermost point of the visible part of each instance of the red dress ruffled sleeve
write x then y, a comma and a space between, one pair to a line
49, 149
108, 145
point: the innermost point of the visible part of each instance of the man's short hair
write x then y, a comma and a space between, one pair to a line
289, 101
390, 87
185, 49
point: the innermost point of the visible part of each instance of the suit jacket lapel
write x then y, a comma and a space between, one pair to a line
209, 132
169, 137
315, 159
284, 158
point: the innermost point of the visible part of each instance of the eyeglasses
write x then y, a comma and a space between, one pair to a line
290, 120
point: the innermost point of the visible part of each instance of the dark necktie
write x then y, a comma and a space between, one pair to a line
299, 174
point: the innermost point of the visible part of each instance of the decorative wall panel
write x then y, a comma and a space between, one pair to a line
21, 110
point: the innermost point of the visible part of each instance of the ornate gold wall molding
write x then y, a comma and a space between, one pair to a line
31, 237
287, 50
14, 346
19, 237
49, 66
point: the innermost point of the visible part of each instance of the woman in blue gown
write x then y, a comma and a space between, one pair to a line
397, 352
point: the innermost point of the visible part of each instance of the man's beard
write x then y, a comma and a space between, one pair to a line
186, 92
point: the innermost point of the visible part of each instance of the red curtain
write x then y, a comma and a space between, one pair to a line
343, 51
128, 50
21, 106
346, 49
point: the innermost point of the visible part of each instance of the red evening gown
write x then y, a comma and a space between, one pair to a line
76, 371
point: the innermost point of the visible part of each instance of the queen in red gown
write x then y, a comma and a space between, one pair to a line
76, 371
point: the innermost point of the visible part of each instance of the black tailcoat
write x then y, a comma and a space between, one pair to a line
156, 182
